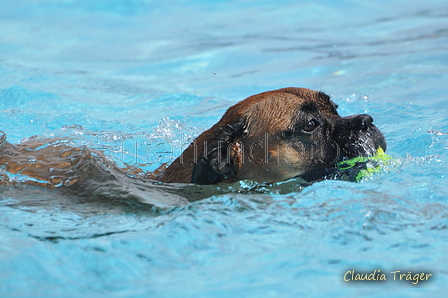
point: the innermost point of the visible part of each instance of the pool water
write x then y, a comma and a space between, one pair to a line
140, 79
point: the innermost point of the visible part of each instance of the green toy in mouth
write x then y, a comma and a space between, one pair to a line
356, 168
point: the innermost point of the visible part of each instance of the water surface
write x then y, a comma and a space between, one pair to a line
140, 79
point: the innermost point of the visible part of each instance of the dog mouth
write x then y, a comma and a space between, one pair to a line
363, 143
358, 136
355, 136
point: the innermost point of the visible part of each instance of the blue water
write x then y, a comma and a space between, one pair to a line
139, 79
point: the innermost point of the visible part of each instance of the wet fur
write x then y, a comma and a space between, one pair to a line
260, 138
222, 153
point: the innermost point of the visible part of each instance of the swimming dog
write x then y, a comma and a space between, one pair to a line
269, 137
274, 136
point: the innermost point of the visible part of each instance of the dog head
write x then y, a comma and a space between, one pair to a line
274, 136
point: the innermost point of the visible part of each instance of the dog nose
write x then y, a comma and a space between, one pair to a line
362, 122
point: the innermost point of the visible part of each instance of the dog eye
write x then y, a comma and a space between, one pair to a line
310, 126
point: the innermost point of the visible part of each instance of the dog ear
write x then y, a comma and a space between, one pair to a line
221, 156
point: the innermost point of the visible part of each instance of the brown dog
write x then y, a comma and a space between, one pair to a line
272, 136
275, 136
